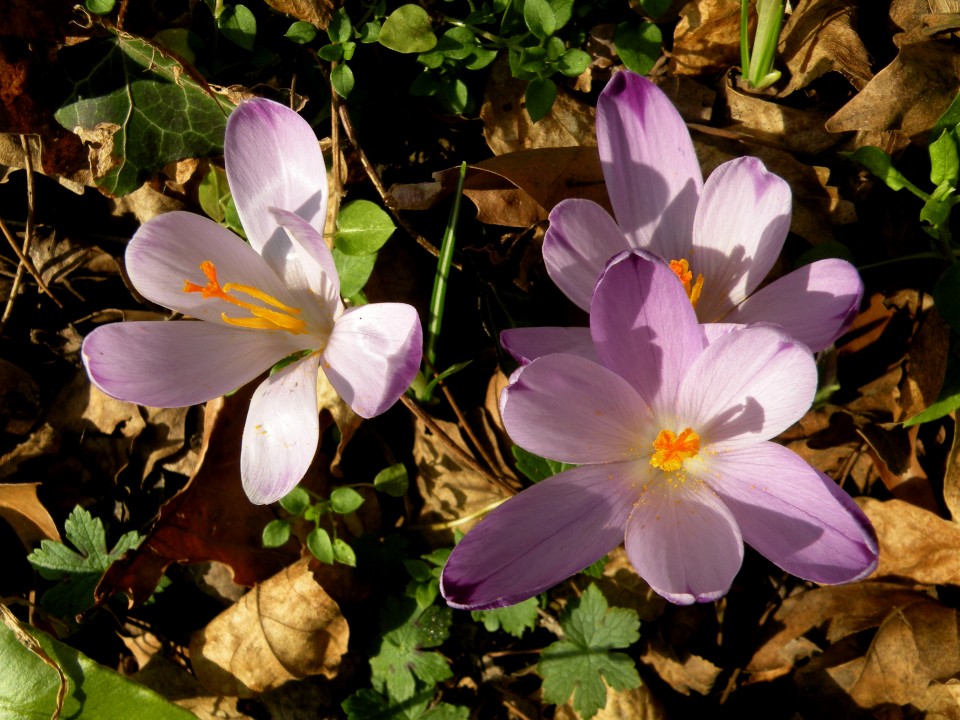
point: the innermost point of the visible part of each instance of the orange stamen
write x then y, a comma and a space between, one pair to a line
670, 451
681, 268
263, 318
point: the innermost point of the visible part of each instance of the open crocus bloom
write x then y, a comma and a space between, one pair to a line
256, 305
721, 237
672, 438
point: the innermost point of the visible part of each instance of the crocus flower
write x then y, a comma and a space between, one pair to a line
671, 434
721, 236
255, 305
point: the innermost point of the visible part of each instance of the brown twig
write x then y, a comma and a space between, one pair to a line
27, 263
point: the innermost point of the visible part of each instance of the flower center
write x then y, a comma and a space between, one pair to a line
283, 317
671, 450
681, 269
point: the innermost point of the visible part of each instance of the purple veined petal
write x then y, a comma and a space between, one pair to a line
815, 303
167, 251
373, 355
748, 385
568, 408
581, 238
684, 541
644, 326
527, 344
178, 363
741, 223
794, 515
540, 537
714, 331
317, 271
273, 160
652, 173
281, 432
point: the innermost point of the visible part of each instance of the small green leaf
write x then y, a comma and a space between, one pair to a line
456, 96
99, 7
638, 45
354, 271
239, 26
348, 50
213, 192
276, 533
655, 8
318, 543
392, 480
539, 98
880, 164
948, 121
540, 18
362, 228
537, 468
331, 53
296, 501
345, 500
408, 30
480, 58
340, 28
343, 553
573, 62
457, 43
342, 80
945, 159
582, 662
301, 32
370, 32
367, 704
595, 569
513, 619
562, 12
937, 207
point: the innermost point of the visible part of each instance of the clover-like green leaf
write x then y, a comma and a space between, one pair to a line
408, 30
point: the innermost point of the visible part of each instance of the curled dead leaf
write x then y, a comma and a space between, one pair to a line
29, 519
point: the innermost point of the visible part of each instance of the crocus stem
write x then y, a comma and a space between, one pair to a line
758, 65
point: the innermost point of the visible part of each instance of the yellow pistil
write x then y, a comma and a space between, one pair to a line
681, 268
283, 318
670, 451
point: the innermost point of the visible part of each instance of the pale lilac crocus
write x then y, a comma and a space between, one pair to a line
256, 305
722, 236
671, 435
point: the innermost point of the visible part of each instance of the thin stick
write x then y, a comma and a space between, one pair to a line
27, 263
466, 426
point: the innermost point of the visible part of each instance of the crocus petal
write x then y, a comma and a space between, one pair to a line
571, 409
373, 355
281, 432
684, 542
652, 173
179, 363
644, 326
538, 538
319, 272
814, 304
527, 344
167, 251
794, 515
581, 238
741, 223
273, 160
747, 386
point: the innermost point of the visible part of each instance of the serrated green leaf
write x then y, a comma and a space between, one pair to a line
296, 501
401, 660
408, 30
150, 112
239, 26
945, 159
540, 94
595, 569
579, 664
345, 500
368, 704
393, 480
340, 28
29, 687
354, 271
320, 545
513, 619
362, 228
539, 18
638, 45
301, 32
276, 533
341, 77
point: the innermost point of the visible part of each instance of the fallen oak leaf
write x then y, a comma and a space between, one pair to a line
20, 506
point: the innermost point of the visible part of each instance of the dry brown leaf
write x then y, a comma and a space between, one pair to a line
346, 420
19, 399
706, 41
926, 364
29, 519
951, 478
177, 684
317, 12
692, 672
146, 202
820, 37
637, 704
43, 441
284, 629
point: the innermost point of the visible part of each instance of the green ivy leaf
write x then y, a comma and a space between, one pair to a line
540, 18
393, 480
345, 500
301, 32
401, 660
150, 112
638, 45
276, 533
82, 569
342, 80
539, 97
239, 26
354, 271
362, 228
320, 545
408, 30
513, 619
579, 664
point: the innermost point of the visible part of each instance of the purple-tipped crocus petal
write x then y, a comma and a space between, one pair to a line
527, 344
273, 160
794, 515
644, 326
167, 251
281, 433
652, 173
684, 542
179, 363
571, 409
747, 386
317, 270
831, 291
581, 238
741, 223
373, 355
539, 538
